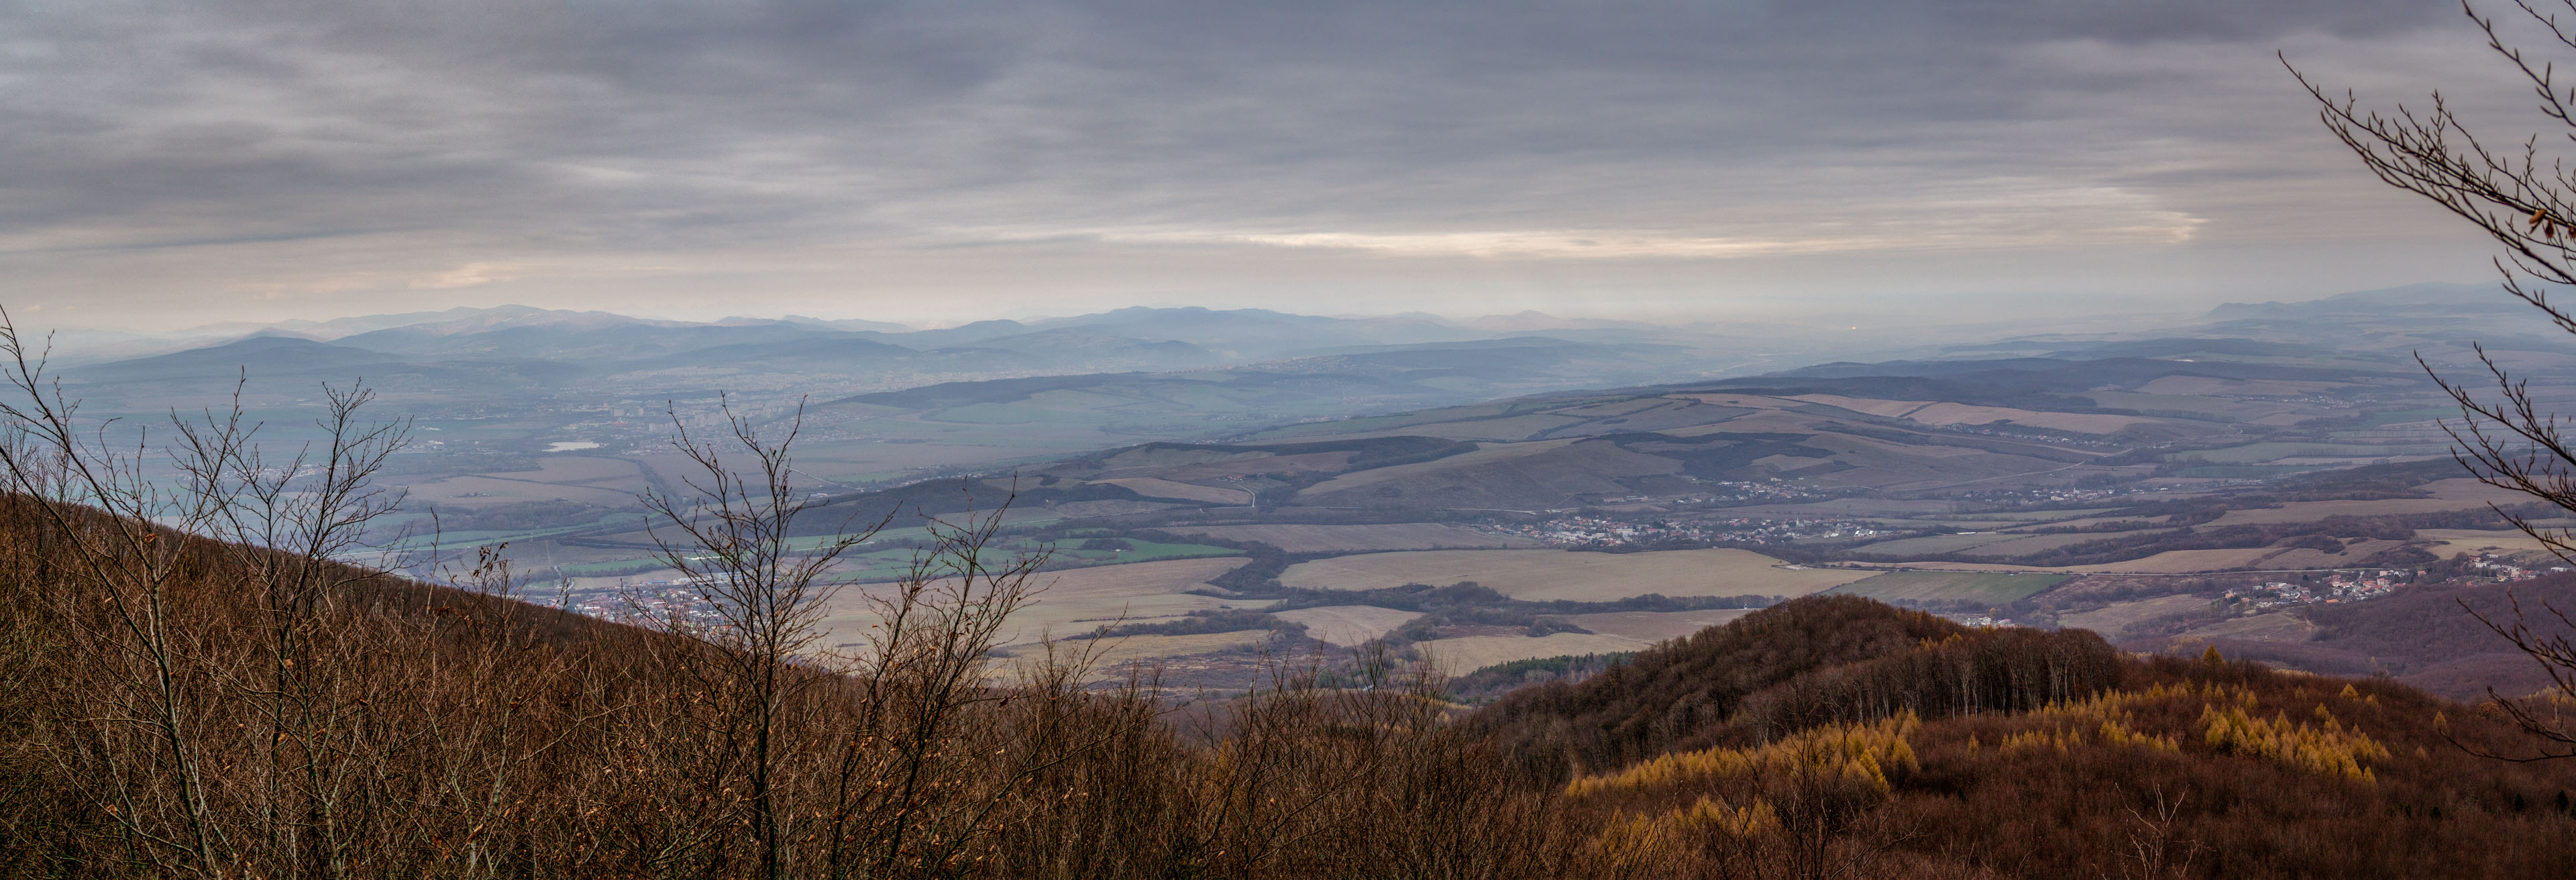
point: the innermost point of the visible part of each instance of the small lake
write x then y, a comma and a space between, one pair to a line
570, 445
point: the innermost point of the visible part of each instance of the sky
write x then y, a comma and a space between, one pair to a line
169, 163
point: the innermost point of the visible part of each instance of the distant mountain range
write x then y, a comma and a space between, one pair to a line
1157, 370
2439, 297
1131, 337
1132, 373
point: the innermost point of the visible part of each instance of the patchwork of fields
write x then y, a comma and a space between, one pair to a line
1069, 602
1348, 626
1560, 574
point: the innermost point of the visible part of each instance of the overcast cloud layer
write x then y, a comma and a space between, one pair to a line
173, 163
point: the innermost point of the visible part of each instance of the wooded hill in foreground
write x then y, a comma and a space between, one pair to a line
183, 707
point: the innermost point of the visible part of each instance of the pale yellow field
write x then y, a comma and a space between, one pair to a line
1296, 538
1151, 487
1971, 566
1108, 655
1348, 625
1559, 574
1656, 626
1463, 655
2471, 541
1073, 602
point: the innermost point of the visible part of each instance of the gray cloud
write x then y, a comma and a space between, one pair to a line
197, 160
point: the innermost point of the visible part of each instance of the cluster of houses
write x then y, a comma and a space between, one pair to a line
1607, 531
2339, 587
2503, 568
655, 602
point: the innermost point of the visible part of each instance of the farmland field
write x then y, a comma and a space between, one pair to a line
1348, 625
2037, 543
2470, 541
2113, 620
2353, 553
1560, 574
1988, 587
1072, 602
2182, 561
1360, 539
2278, 626
1111, 656
1656, 626
891, 563
1470, 653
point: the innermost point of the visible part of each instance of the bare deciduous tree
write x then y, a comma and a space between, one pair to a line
2524, 197
732, 540
128, 563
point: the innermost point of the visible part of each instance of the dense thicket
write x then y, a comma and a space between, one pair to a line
427, 731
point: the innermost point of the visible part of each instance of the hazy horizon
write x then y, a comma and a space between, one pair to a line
2036, 312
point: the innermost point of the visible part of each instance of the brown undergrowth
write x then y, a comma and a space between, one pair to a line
461, 734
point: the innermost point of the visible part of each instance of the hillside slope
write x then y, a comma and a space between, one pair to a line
1837, 737
180, 710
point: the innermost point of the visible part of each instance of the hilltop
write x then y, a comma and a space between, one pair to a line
1839, 735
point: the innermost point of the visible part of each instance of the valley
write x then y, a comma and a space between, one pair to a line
1269, 485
